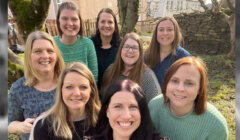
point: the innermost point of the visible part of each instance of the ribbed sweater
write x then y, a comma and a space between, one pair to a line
211, 125
149, 84
81, 51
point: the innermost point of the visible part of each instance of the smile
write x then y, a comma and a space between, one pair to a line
179, 96
125, 124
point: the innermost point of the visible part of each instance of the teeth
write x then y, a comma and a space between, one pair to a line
44, 63
125, 124
179, 96
76, 99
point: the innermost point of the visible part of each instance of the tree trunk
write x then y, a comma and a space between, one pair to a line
13, 57
30, 15
128, 15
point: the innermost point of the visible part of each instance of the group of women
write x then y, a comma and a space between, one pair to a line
54, 101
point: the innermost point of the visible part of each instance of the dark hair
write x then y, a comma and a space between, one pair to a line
69, 6
201, 99
145, 131
115, 37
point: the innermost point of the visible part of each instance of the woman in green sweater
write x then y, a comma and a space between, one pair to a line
73, 46
182, 112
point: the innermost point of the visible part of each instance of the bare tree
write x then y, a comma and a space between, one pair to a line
128, 15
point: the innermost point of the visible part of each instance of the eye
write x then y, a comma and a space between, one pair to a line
83, 87
64, 18
117, 106
189, 83
68, 87
170, 29
74, 19
37, 51
110, 22
50, 51
161, 29
134, 107
174, 81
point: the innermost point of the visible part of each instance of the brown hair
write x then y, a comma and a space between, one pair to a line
152, 53
201, 99
114, 70
69, 6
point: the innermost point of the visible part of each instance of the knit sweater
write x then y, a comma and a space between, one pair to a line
27, 102
211, 125
149, 84
81, 51
44, 131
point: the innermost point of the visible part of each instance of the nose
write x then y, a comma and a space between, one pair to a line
44, 54
69, 22
180, 87
126, 114
76, 92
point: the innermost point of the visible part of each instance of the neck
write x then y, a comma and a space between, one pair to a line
77, 115
126, 70
106, 41
181, 111
118, 137
164, 52
68, 40
46, 83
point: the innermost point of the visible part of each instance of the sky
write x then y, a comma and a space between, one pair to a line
208, 1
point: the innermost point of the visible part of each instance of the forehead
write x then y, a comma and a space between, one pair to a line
166, 23
187, 71
67, 12
41, 43
131, 41
72, 77
105, 15
123, 97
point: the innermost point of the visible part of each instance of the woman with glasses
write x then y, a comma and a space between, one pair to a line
165, 47
129, 65
182, 111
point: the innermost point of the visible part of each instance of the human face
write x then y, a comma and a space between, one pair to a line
106, 24
165, 33
183, 87
123, 114
130, 52
69, 23
75, 92
43, 56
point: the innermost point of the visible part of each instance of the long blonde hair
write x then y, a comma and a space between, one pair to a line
30, 73
114, 70
59, 114
152, 56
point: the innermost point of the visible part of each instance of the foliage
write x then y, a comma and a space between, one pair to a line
29, 14
15, 71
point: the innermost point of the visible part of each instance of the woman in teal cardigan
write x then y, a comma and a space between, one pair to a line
73, 46
182, 112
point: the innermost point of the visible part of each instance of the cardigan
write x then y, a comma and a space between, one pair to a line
81, 51
27, 102
163, 66
210, 125
105, 57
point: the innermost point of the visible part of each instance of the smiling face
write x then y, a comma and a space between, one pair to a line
106, 24
43, 56
130, 52
69, 22
183, 87
75, 91
123, 114
165, 33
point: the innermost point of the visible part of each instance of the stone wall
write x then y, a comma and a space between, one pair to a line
204, 32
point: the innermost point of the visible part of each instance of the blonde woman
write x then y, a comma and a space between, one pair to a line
165, 47
74, 115
129, 64
35, 92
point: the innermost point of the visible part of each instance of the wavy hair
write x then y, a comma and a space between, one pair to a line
59, 114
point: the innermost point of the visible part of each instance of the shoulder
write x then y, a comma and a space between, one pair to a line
18, 85
156, 101
148, 72
56, 38
213, 114
86, 40
181, 52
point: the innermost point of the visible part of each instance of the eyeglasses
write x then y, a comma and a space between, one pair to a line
127, 48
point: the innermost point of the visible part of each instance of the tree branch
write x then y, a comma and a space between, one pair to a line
203, 5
